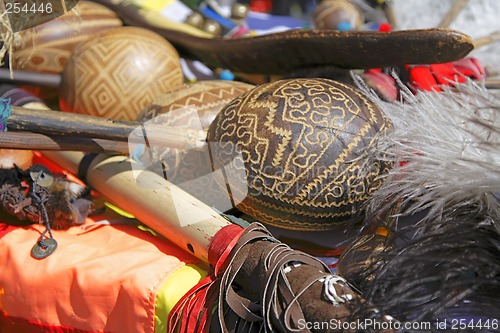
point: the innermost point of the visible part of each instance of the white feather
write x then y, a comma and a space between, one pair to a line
445, 147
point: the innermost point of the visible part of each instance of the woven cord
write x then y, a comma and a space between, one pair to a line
38, 201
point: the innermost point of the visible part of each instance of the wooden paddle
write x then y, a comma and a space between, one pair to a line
283, 52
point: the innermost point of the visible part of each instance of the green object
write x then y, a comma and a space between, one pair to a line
39, 251
5, 110
193, 4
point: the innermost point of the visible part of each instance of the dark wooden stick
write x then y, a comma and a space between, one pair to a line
36, 141
69, 124
57, 123
31, 78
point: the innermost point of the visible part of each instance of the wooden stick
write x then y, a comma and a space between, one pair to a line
36, 141
492, 83
388, 10
29, 78
485, 40
451, 15
50, 122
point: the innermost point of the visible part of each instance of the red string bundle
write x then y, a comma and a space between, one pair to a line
192, 313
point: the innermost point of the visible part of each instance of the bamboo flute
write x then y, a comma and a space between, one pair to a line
150, 198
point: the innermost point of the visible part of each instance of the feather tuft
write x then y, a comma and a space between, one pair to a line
449, 270
445, 149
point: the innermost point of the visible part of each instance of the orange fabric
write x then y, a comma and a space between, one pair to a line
102, 280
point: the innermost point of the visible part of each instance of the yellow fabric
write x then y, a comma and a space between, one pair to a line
156, 5
173, 289
104, 280
118, 210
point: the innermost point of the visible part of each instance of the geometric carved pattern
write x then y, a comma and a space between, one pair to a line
189, 165
208, 97
47, 47
118, 73
305, 144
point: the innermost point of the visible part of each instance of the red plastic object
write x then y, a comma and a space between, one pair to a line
431, 77
260, 6
421, 78
384, 27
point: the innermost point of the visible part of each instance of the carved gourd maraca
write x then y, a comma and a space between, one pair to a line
118, 73
337, 15
305, 147
208, 97
46, 48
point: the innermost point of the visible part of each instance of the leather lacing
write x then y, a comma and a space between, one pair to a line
273, 305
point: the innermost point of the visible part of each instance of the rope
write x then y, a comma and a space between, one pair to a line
42, 211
